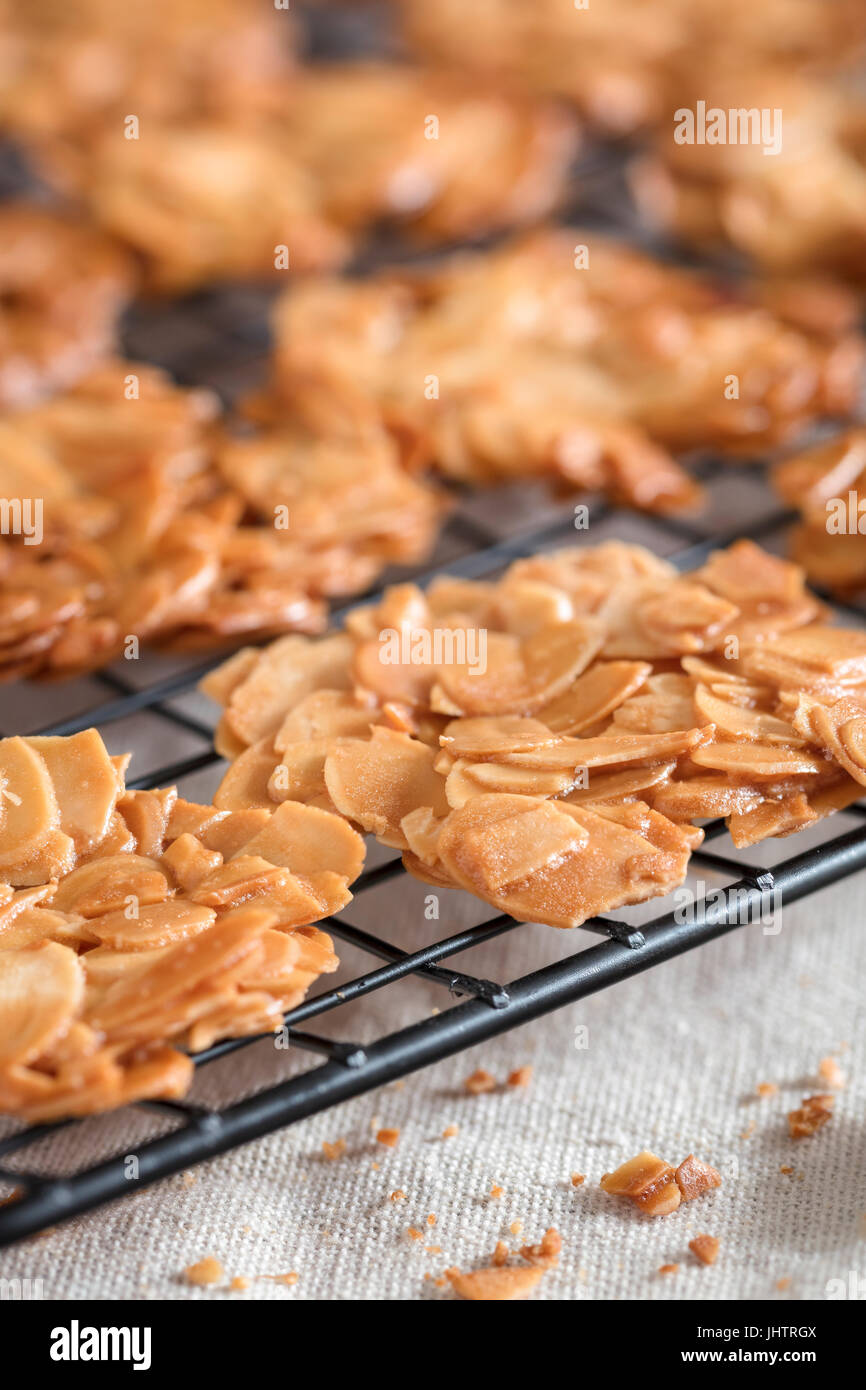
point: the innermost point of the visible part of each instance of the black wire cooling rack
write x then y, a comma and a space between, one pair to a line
488, 1007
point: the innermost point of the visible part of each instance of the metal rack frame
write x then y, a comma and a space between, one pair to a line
349, 1069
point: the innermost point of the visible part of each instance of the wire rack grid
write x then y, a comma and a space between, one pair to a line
487, 1007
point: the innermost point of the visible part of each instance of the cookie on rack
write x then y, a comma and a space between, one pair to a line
137, 927
349, 147
156, 525
788, 191
72, 68
565, 355
63, 285
551, 740
826, 483
623, 62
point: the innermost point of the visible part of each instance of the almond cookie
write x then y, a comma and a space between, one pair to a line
561, 355
548, 741
135, 923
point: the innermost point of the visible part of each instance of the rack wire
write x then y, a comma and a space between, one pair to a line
487, 1008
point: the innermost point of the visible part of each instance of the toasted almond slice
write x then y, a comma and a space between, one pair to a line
514, 847
179, 970
300, 775
108, 885
226, 741
523, 606
520, 676
147, 814
189, 818
467, 779
306, 840
594, 695
220, 683
37, 924
242, 1015
743, 723
40, 990
704, 798
636, 1174
663, 705
285, 672
421, 829
118, 839
632, 853
778, 817
84, 780
757, 761
30, 807
607, 750
487, 737
13, 904
377, 783
377, 669
619, 786
245, 784
839, 729
325, 714
499, 1284
160, 924
230, 833
809, 658
233, 884
189, 862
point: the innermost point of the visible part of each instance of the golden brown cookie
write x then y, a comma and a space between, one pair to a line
134, 923
563, 355
62, 287
548, 741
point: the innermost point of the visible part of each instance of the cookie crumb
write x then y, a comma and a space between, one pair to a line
782, 1284
239, 1283
766, 1088
500, 1254
516, 1227
496, 1285
546, 1253
706, 1248
479, 1082
830, 1071
450, 1132
335, 1150
206, 1271
668, 1269
496, 1191
413, 1234
811, 1116
521, 1076
398, 1195
578, 1179
388, 1137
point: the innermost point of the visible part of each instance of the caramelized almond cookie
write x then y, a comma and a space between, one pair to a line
512, 363
347, 147
64, 286
549, 741
76, 67
110, 951
157, 527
